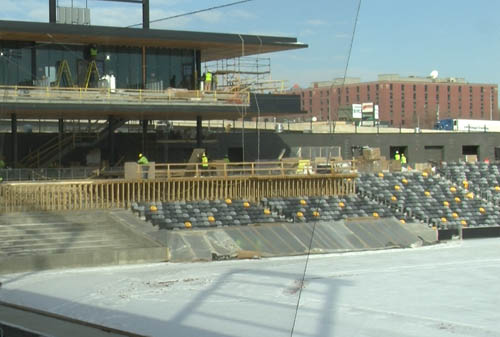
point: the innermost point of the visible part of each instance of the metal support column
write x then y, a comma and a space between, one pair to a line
59, 140
52, 11
145, 14
197, 70
13, 126
111, 141
199, 132
144, 134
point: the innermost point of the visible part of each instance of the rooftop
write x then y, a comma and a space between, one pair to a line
390, 78
213, 46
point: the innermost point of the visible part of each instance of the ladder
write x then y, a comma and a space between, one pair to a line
64, 70
92, 69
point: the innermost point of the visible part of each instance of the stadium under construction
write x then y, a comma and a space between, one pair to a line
80, 102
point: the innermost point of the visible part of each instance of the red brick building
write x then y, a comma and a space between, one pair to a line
403, 101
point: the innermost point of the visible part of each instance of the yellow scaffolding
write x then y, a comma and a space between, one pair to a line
63, 70
92, 69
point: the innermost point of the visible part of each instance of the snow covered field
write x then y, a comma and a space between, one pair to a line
448, 290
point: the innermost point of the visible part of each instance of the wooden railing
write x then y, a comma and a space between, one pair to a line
22, 94
250, 169
120, 193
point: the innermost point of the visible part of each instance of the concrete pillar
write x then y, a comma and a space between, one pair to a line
199, 132
13, 126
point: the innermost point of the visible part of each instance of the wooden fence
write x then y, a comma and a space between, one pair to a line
120, 193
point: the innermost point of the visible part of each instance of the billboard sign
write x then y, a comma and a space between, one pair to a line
367, 107
356, 111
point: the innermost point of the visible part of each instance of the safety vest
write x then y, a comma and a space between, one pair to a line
397, 156
403, 159
204, 161
143, 161
208, 77
93, 52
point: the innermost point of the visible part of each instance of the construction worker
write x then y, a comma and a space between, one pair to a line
204, 162
144, 163
403, 160
93, 52
208, 81
226, 159
397, 156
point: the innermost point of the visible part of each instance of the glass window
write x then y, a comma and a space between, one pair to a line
15, 63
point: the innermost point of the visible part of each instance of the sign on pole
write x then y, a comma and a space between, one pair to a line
356, 111
367, 107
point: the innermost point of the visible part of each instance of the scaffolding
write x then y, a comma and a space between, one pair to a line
251, 74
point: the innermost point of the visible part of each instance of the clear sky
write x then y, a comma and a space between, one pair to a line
458, 38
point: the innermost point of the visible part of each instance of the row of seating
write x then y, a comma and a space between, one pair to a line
430, 199
203, 214
452, 198
480, 178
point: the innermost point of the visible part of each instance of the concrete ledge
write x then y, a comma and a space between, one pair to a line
481, 232
98, 257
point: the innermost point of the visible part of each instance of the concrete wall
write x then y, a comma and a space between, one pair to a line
452, 144
271, 144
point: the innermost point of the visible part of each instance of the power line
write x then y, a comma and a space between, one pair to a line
301, 285
193, 12
349, 53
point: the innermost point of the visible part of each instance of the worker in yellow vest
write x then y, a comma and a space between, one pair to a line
144, 164
204, 162
208, 81
397, 156
403, 160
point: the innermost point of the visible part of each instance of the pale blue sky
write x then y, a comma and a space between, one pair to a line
458, 38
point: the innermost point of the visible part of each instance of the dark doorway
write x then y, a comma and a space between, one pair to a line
497, 153
400, 148
434, 154
470, 150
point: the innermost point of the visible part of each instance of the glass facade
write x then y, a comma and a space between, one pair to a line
68, 65
15, 63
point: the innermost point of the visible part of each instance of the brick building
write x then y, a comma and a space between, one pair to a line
403, 101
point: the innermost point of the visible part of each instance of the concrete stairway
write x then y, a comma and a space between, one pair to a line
35, 241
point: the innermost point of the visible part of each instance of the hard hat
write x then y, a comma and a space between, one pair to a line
397, 151
140, 155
